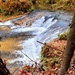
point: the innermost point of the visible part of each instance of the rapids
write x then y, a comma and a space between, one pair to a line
44, 26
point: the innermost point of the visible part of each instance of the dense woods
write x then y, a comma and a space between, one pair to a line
10, 7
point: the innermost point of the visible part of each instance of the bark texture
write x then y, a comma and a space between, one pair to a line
69, 49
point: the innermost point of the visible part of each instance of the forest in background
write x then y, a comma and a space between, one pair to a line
17, 7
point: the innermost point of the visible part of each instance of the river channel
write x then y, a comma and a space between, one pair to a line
39, 25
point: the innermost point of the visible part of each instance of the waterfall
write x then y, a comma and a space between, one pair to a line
45, 27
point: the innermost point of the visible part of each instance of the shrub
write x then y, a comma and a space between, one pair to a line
63, 36
15, 7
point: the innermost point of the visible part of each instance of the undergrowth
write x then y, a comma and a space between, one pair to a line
48, 58
64, 35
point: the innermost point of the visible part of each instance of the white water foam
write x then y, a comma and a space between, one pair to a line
34, 30
30, 46
7, 23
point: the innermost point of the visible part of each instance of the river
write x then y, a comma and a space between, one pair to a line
44, 26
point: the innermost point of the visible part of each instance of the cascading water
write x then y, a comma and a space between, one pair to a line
44, 28
30, 46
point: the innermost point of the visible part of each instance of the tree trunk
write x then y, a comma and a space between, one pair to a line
69, 49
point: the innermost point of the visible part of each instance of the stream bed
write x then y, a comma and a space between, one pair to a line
39, 25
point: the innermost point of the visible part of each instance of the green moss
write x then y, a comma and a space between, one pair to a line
64, 35
54, 60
